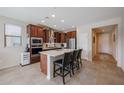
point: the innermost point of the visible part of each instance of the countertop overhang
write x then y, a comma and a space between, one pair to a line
56, 52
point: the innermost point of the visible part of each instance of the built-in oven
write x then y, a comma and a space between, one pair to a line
35, 51
37, 45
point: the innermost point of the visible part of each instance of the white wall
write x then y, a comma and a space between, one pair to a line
10, 56
83, 41
122, 34
104, 43
87, 29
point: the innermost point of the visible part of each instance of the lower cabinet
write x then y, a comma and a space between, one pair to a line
35, 59
43, 63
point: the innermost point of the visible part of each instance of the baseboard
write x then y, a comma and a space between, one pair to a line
8, 67
86, 60
118, 65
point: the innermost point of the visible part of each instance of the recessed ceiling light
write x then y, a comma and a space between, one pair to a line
62, 21
54, 25
42, 21
53, 15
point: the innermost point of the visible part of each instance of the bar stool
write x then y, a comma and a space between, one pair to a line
79, 57
62, 67
74, 62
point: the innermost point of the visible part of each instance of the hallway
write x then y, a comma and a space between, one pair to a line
107, 70
104, 57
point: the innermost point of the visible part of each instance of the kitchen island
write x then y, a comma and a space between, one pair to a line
48, 57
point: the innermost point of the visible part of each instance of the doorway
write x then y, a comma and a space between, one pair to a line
104, 42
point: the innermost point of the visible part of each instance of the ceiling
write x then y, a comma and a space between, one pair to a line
105, 29
72, 16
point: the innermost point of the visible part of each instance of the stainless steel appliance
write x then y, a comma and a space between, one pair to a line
36, 42
35, 51
37, 45
71, 43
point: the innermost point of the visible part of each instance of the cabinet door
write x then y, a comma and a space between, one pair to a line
46, 36
62, 37
40, 32
65, 37
55, 36
58, 37
73, 34
69, 35
33, 31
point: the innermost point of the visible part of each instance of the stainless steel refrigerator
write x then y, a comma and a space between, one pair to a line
71, 43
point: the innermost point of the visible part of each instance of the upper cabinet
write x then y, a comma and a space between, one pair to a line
40, 32
49, 35
60, 37
71, 34
46, 36
56, 36
35, 31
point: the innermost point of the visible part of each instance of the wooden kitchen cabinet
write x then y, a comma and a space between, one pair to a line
35, 31
65, 38
71, 34
57, 37
40, 32
46, 36
62, 38
35, 59
43, 63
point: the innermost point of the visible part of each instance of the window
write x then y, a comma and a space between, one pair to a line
12, 35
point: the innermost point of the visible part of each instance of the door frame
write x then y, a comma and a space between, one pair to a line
118, 52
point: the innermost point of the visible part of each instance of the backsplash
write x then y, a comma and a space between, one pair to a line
58, 45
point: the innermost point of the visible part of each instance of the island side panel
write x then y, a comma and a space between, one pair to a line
43, 63
50, 60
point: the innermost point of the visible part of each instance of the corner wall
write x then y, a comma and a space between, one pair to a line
10, 56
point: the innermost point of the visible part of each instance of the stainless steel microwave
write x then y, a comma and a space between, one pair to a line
36, 41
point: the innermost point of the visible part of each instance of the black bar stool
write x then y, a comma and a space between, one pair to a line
62, 67
74, 62
79, 57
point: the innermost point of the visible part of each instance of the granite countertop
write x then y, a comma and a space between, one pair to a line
56, 52
51, 48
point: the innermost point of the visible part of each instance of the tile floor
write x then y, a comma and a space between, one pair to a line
102, 70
